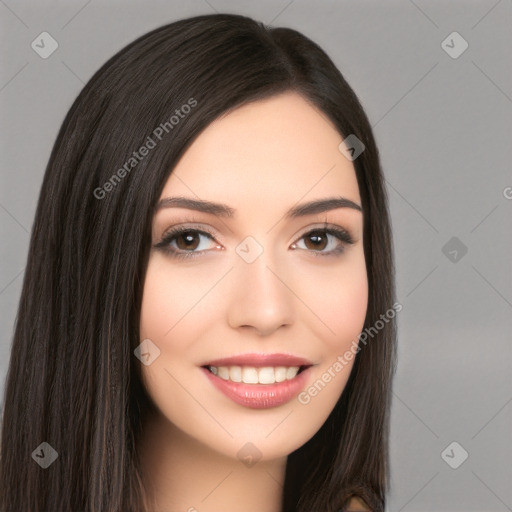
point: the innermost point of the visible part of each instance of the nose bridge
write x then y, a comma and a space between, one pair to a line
260, 297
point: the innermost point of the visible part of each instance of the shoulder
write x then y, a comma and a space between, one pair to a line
356, 505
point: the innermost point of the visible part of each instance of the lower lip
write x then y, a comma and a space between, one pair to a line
260, 396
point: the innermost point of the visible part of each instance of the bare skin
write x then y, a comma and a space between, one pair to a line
260, 160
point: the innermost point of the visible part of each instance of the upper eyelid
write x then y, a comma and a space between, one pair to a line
179, 228
188, 223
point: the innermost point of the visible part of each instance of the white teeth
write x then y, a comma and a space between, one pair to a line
249, 375
291, 372
235, 373
266, 375
280, 373
223, 372
252, 375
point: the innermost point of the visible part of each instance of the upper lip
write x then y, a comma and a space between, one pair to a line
260, 360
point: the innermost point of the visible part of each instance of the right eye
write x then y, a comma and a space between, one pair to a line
184, 242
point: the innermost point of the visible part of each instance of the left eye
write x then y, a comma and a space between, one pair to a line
325, 241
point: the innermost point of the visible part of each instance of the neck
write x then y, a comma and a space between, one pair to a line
184, 475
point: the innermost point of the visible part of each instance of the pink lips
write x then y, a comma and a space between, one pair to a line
260, 360
260, 396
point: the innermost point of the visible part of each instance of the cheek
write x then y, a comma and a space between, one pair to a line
168, 300
338, 298
341, 305
347, 312
175, 315
163, 317
168, 318
157, 303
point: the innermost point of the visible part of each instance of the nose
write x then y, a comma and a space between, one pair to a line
260, 299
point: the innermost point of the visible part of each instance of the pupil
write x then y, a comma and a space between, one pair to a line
189, 237
317, 241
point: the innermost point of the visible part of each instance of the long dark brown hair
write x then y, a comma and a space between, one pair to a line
73, 380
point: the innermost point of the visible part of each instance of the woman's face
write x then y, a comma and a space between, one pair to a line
268, 290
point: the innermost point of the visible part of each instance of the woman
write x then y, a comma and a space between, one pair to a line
207, 317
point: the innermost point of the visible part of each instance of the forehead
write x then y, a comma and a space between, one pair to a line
277, 150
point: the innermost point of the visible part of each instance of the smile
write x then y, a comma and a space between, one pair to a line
252, 375
259, 381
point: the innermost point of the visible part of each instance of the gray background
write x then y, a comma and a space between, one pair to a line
443, 127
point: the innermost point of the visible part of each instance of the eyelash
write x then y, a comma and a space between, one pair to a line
341, 234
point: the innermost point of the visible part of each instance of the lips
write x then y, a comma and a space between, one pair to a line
225, 373
259, 360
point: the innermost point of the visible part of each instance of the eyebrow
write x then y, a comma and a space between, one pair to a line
223, 210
